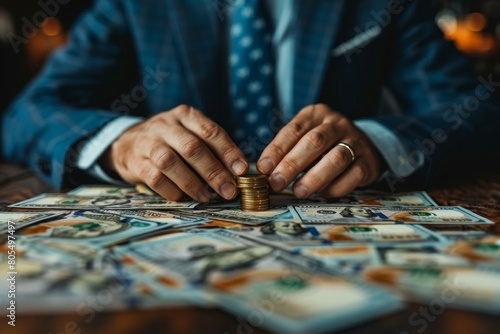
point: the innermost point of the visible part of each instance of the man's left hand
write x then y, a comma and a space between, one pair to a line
310, 144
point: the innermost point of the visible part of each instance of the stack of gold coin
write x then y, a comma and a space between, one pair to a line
254, 192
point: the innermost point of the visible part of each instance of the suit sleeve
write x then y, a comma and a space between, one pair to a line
449, 115
70, 101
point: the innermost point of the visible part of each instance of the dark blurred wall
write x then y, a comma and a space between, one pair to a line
22, 55
475, 27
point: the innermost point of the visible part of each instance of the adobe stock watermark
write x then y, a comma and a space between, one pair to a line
31, 27
151, 80
425, 315
97, 303
454, 118
263, 309
124, 105
372, 29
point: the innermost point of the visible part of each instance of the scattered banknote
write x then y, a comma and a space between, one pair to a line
104, 190
346, 259
54, 287
404, 255
445, 286
23, 219
61, 251
70, 202
236, 215
164, 217
360, 198
378, 234
292, 294
180, 263
407, 215
482, 251
96, 228
306, 265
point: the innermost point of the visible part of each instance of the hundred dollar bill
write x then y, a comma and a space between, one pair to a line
63, 201
290, 294
305, 235
50, 283
407, 215
104, 190
379, 234
236, 215
180, 263
164, 217
23, 219
374, 198
484, 251
445, 286
95, 228
408, 255
362, 198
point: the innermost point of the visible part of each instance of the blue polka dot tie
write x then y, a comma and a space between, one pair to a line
251, 77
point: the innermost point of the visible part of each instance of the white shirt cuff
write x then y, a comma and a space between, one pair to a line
401, 162
96, 146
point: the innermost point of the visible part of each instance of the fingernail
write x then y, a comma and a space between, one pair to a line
277, 182
239, 167
265, 166
228, 190
204, 195
301, 191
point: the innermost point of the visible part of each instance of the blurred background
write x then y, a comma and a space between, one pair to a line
474, 25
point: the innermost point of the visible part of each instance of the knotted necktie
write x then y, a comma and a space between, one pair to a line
251, 77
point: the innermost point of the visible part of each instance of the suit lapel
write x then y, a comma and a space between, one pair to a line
318, 25
195, 25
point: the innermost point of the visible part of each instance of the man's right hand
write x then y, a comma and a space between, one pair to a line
178, 152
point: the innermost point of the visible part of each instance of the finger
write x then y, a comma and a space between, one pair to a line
311, 146
216, 138
333, 164
167, 168
356, 175
193, 150
158, 182
286, 139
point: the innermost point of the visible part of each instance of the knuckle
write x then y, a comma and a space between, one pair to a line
191, 148
182, 109
276, 149
343, 122
214, 174
316, 139
296, 128
210, 130
315, 181
340, 157
189, 183
358, 173
154, 178
163, 159
322, 106
228, 152
291, 165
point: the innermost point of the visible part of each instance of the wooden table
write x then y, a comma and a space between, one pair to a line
481, 195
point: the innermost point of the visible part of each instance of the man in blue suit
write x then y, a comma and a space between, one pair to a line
182, 94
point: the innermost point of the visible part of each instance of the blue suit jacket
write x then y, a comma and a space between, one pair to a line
346, 51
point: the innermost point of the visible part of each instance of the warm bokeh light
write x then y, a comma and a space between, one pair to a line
468, 33
476, 21
51, 27
50, 37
